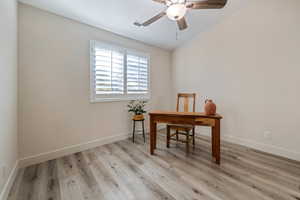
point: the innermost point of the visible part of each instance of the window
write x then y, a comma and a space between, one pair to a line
118, 73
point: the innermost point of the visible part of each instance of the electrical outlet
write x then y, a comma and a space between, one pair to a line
267, 135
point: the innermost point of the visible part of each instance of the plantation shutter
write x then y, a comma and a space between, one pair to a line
109, 71
137, 73
118, 73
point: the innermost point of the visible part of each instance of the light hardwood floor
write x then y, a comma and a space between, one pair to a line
124, 170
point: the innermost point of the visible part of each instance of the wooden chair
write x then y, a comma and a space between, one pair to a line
181, 129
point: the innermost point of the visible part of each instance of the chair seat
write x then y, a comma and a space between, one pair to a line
181, 129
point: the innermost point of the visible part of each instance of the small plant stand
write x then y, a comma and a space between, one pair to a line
133, 132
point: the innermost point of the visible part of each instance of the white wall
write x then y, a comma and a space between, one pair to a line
249, 63
55, 111
8, 88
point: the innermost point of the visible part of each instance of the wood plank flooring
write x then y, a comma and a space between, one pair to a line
126, 171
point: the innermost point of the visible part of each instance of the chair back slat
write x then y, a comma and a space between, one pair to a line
186, 101
186, 104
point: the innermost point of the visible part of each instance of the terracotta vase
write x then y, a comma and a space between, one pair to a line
210, 107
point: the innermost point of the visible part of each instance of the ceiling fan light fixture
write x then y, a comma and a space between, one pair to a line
176, 11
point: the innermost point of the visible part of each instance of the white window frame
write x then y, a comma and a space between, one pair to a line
94, 98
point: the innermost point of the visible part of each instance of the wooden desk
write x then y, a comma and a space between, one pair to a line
192, 118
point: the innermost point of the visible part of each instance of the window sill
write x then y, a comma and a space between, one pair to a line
103, 100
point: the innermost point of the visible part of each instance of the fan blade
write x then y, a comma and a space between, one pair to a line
208, 4
160, 1
154, 19
182, 24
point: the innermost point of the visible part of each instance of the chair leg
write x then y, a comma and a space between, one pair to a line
194, 137
133, 131
168, 137
177, 138
144, 131
187, 142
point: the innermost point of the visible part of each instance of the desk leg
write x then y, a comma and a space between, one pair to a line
213, 144
216, 143
152, 136
155, 136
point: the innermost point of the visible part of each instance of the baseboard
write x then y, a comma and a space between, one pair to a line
35, 159
160, 126
7, 186
279, 151
260, 146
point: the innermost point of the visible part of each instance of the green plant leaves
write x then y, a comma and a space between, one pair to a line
137, 107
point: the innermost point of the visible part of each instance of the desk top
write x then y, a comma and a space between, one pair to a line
188, 114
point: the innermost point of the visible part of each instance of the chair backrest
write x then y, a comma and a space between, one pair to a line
186, 103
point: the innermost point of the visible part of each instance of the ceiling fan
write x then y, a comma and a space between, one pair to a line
176, 10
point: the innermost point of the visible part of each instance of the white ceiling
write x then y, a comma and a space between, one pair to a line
118, 16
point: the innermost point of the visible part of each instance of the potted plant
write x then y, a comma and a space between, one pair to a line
137, 107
